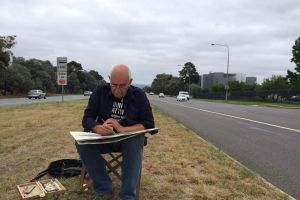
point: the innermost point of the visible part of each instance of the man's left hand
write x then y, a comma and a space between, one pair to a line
115, 124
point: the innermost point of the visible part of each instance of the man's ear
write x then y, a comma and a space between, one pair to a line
109, 78
130, 81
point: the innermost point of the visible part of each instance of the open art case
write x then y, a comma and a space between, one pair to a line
40, 188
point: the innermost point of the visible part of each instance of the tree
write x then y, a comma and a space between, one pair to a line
42, 73
275, 87
189, 71
235, 85
294, 77
249, 87
73, 83
47, 82
239, 90
218, 88
6, 43
174, 85
195, 90
19, 79
74, 67
159, 83
90, 82
96, 75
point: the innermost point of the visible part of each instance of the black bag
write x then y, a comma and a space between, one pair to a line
61, 168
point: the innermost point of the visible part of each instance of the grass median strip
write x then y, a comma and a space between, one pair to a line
177, 163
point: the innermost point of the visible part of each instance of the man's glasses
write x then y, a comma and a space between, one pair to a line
121, 86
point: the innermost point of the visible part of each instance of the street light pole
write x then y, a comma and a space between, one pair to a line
227, 76
189, 83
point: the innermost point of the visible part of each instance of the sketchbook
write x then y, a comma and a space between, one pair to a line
93, 138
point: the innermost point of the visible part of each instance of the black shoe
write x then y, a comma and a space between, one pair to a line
108, 196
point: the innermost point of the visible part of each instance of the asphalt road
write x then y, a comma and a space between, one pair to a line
20, 101
266, 140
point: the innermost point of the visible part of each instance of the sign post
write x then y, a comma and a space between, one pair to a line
62, 74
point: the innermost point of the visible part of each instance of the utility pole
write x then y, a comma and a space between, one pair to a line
227, 75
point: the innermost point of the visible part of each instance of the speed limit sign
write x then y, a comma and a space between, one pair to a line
61, 78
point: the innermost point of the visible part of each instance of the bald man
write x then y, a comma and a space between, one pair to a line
116, 107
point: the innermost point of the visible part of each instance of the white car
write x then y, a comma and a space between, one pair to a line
181, 97
184, 93
161, 95
87, 93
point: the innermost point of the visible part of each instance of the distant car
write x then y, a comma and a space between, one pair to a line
151, 93
295, 98
161, 95
87, 93
181, 97
36, 94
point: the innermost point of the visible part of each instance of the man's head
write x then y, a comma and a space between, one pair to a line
120, 80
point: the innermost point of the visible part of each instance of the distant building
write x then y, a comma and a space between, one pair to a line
251, 80
240, 77
211, 79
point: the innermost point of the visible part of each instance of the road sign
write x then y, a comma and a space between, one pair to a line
62, 64
62, 78
62, 75
62, 70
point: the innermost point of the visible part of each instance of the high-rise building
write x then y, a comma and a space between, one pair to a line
251, 80
211, 79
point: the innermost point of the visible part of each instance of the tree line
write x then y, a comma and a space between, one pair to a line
18, 75
275, 88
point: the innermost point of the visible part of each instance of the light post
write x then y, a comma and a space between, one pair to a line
189, 82
227, 77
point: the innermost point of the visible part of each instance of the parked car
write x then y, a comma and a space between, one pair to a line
151, 93
87, 93
37, 94
181, 97
161, 95
184, 93
295, 98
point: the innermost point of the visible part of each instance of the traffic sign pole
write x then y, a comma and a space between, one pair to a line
62, 93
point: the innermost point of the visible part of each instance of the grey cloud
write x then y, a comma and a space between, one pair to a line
155, 36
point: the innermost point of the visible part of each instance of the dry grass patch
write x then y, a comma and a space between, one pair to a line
177, 164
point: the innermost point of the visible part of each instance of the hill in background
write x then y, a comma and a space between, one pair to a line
139, 85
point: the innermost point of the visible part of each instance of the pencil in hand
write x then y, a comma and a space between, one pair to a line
113, 132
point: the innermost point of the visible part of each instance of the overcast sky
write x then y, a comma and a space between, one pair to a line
154, 37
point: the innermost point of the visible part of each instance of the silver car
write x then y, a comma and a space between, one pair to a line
87, 93
36, 94
161, 95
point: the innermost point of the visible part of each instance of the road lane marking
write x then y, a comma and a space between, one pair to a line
260, 129
235, 117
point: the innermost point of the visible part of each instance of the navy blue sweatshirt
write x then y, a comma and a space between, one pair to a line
137, 109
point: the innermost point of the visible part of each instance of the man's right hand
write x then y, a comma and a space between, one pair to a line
103, 129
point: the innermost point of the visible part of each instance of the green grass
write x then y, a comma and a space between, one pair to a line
256, 103
177, 164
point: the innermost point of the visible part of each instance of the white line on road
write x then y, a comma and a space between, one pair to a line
241, 118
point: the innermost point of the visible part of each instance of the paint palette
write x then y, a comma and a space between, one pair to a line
40, 188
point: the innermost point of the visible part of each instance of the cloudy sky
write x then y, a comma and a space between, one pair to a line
155, 36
